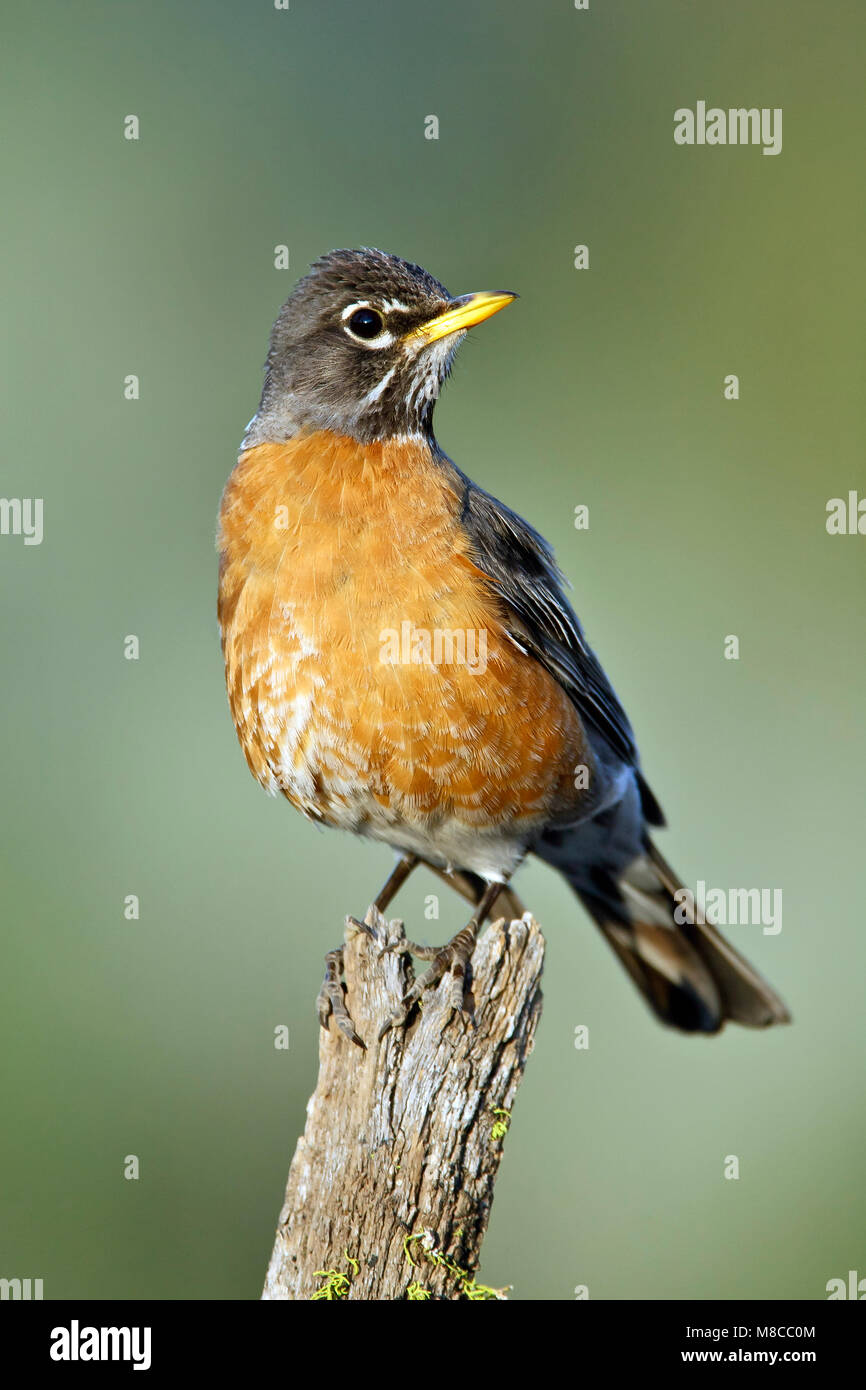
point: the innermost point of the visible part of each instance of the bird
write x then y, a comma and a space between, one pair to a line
402, 661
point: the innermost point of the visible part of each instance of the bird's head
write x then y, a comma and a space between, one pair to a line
362, 346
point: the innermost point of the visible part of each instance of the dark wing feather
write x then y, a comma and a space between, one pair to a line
523, 571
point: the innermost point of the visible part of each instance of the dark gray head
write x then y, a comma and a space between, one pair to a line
362, 346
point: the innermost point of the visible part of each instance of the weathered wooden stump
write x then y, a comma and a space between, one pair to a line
390, 1188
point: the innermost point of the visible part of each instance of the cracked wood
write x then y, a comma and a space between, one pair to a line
400, 1138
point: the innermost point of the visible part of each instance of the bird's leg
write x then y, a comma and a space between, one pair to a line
394, 882
332, 995
471, 887
452, 958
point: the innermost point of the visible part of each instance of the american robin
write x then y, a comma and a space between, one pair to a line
401, 660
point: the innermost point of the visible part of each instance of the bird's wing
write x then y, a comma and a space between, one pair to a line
522, 570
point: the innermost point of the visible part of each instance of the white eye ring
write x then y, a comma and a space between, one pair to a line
381, 340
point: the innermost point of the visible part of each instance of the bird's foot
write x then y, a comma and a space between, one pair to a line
451, 959
332, 996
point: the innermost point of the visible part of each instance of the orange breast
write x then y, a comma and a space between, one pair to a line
369, 672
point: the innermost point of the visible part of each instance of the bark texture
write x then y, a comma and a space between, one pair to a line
390, 1188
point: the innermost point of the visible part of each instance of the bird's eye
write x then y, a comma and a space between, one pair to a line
366, 323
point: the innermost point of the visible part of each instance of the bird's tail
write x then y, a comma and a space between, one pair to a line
691, 977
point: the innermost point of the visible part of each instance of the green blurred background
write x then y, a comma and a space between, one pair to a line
601, 387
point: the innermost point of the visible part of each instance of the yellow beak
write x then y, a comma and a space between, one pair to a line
463, 313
